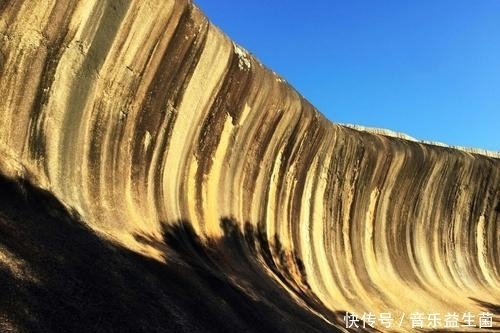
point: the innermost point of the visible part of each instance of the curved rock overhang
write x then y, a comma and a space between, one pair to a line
138, 114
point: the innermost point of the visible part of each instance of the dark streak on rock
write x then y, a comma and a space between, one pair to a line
2, 61
55, 48
106, 32
165, 92
230, 100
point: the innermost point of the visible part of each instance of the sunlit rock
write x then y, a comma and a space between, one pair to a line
140, 114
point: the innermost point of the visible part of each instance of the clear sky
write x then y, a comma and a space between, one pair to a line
428, 68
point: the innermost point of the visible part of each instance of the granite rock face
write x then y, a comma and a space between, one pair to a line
140, 114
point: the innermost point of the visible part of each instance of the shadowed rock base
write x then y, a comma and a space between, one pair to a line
57, 275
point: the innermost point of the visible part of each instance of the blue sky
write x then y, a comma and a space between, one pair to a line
428, 68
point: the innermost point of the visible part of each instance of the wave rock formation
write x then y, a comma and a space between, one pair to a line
141, 114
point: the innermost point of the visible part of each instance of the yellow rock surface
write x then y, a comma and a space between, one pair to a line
138, 113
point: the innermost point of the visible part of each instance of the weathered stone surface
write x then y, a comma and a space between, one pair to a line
139, 114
